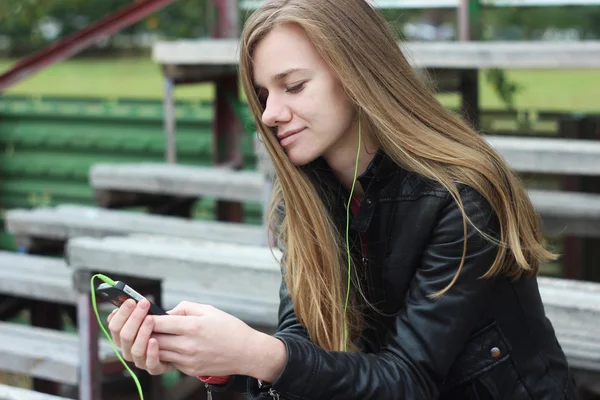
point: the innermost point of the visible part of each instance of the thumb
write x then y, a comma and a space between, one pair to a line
187, 308
176, 311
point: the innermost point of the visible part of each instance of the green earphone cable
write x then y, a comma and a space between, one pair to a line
106, 279
348, 234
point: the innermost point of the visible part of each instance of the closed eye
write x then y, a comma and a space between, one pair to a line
295, 89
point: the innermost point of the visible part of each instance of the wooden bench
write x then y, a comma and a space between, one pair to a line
49, 279
112, 180
35, 277
563, 212
548, 155
208, 266
44, 353
52, 226
253, 273
16, 393
574, 309
123, 185
447, 55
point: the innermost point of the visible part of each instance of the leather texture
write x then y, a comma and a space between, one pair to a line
483, 339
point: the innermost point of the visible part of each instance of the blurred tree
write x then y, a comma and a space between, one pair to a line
185, 19
533, 21
33, 24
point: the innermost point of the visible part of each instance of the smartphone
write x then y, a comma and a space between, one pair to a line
120, 292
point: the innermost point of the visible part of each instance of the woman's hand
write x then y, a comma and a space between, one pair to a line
200, 340
131, 329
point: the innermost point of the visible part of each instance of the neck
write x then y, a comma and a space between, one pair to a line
342, 159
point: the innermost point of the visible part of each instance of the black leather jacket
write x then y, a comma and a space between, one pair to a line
484, 339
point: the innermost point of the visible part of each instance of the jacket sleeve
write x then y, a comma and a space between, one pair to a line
288, 326
427, 334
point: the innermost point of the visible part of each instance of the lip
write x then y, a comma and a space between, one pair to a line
289, 133
286, 138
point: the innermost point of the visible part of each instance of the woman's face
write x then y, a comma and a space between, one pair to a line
304, 102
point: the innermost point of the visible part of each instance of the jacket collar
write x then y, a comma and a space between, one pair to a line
381, 169
378, 173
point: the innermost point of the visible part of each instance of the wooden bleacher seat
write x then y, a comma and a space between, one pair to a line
241, 272
49, 279
15, 393
176, 180
43, 353
568, 212
67, 221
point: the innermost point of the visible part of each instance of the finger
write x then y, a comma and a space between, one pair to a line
132, 325
118, 320
174, 343
111, 315
173, 324
138, 350
154, 365
189, 308
172, 357
180, 308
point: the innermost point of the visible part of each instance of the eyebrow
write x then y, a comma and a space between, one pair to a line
282, 75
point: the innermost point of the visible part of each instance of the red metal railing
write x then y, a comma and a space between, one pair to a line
80, 40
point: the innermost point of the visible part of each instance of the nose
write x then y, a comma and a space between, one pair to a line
276, 112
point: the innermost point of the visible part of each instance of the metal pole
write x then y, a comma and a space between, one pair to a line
90, 374
468, 29
227, 128
464, 33
169, 121
228, 19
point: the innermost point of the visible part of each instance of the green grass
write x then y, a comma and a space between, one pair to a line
547, 90
124, 77
551, 90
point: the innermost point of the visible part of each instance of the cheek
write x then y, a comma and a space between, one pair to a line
341, 106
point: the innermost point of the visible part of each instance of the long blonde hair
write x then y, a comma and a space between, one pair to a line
410, 125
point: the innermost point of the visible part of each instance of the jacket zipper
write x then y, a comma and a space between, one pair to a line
208, 392
365, 259
271, 392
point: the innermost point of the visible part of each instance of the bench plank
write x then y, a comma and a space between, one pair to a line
16, 393
48, 279
562, 212
524, 154
547, 155
66, 221
43, 353
573, 307
208, 265
568, 212
180, 180
36, 277
450, 55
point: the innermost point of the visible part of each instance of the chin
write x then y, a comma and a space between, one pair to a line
299, 157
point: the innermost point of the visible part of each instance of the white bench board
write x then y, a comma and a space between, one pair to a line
43, 353
180, 180
15, 393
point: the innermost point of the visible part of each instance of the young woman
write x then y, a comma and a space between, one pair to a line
410, 248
